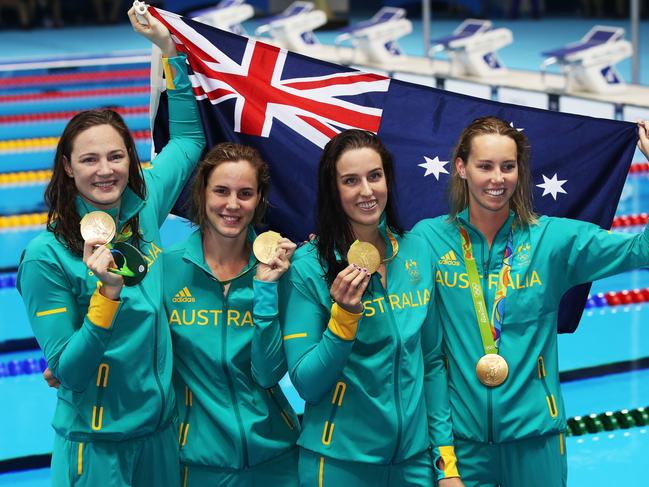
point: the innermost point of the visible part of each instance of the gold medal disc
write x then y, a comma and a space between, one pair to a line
97, 225
492, 370
365, 255
265, 246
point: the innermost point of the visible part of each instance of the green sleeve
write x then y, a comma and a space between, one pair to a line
315, 356
590, 253
72, 344
172, 168
438, 407
267, 355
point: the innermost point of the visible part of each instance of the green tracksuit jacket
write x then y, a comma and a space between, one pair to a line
548, 259
115, 371
228, 359
366, 397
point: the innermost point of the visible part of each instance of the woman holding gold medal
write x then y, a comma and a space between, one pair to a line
501, 343
361, 346
236, 427
94, 313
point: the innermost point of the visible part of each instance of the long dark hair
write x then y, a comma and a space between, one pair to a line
521, 200
334, 229
63, 218
228, 152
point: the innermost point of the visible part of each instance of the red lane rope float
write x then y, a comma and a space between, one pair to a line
132, 90
41, 143
621, 298
65, 115
639, 167
630, 220
70, 78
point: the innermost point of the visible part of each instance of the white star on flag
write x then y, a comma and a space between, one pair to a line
552, 186
434, 167
511, 124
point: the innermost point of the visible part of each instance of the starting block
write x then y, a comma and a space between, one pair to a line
226, 15
472, 48
294, 27
377, 37
588, 64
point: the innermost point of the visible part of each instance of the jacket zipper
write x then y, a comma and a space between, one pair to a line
395, 367
226, 371
486, 265
156, 373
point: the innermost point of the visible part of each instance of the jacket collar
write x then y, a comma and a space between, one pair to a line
194, 252
463, 219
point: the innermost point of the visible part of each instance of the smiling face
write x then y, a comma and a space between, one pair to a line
231, 197
491, 173
99, 164
362, 186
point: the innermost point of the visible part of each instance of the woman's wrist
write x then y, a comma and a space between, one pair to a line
110, 292
168, 49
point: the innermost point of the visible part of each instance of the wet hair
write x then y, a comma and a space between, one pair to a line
334, 229
228, 152
61, 192
521, 200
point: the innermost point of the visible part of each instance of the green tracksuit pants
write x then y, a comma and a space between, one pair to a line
140, 462
320, 471
533, 462
280, 472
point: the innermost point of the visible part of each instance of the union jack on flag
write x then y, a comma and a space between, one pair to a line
288, 106
315, 107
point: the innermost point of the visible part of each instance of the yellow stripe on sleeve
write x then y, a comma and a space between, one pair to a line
51, 312
294, 335
169, 77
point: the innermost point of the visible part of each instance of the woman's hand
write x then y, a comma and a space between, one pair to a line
99, 259
348, 288
643, 133
279, 264
50, 379
155, 31
452, 482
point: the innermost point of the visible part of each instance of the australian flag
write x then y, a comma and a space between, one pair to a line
288, 106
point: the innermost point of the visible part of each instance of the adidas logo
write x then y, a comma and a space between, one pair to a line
449, 259
183, 296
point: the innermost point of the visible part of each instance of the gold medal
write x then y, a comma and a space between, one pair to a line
492, 369
265, 246
365, 255
97, 226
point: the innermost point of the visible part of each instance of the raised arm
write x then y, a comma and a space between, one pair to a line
643, 138
318, 337
588, 253
171, 169
268, 362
